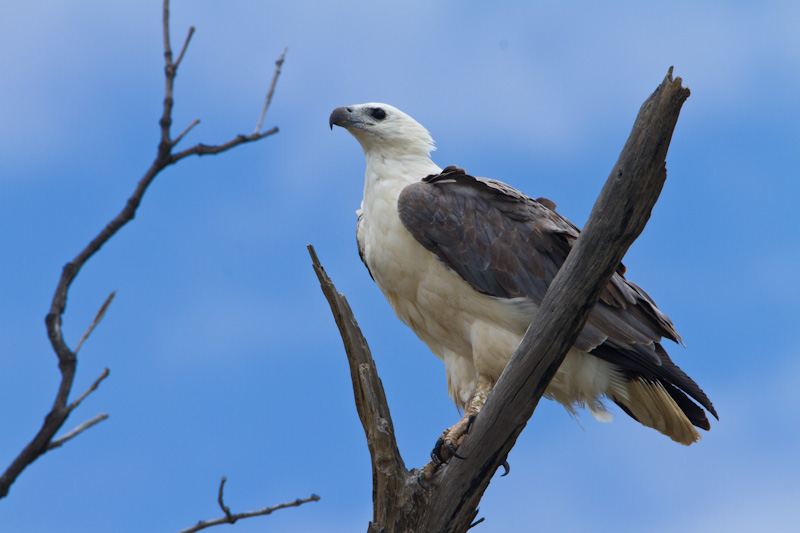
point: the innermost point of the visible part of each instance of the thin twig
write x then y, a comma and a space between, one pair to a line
232, 518
278, 65
185, 45
169, 75
204, 149
90, 390
225, 508
98, 317
165, 30
78, 430
182, 135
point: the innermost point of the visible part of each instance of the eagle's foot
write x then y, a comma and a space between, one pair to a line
426, 473
445, 449
451, 439
448, 444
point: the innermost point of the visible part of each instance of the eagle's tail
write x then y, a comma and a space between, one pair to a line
658, 395
652, 403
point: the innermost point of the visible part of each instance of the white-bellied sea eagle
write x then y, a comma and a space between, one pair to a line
465, 263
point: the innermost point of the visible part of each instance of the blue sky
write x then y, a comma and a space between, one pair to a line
224, 357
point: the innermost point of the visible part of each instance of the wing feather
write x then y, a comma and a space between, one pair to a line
507, 245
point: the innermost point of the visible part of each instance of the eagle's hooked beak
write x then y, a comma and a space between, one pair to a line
341, 116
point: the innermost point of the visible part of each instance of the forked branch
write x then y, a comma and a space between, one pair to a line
231, 518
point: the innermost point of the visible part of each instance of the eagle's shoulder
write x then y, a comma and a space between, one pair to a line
453, 182
458, 177
501, 241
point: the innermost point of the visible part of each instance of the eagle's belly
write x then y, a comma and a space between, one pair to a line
473, 333
470, 331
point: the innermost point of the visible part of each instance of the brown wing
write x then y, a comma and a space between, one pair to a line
507, 245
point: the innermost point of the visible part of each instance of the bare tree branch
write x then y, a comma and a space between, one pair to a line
98, 317
204, 149
225, 508
187, 130
185, 46
278, 65
54, 420
90, 390
170, 70
230, 518
389, 473
77, 431
449, 501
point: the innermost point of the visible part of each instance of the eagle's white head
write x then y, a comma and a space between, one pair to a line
384, 130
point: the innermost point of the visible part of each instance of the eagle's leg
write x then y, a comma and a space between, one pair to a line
451, 439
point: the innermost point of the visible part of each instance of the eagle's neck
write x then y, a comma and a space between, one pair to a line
387, 174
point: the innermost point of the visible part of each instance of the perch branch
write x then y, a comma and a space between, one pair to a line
67, 359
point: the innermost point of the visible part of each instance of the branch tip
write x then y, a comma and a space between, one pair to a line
98, 317
182, 135
278, 65
90, 390
185, 46
77, 431
222, 505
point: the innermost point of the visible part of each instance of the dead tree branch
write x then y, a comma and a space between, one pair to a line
271, 91
389, 474
619, 216
67, 359
77, 431
98, 317
231, 518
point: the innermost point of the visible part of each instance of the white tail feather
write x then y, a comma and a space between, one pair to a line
652, 405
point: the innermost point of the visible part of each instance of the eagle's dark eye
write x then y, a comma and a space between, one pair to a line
378, 113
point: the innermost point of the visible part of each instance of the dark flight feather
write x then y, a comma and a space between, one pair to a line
507, 245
